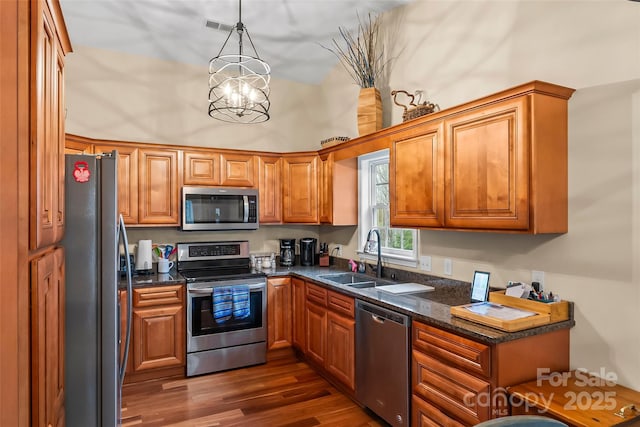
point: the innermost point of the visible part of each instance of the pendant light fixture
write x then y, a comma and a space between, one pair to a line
239, 83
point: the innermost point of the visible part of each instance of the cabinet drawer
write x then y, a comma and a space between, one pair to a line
317, 294
159, 295
424, 414
341, 304
453, 349
452, 390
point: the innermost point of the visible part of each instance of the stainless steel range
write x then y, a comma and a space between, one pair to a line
226, 306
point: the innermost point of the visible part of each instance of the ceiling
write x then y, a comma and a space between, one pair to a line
287, 34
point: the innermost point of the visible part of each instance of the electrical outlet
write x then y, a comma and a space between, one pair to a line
448, 266
339, 250
425, 263
538, 276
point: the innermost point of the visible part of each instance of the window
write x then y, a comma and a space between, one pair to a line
398, 244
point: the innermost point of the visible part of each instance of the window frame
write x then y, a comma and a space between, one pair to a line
366, 190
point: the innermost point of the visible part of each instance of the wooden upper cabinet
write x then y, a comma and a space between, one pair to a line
201, 168
238, 170
416, 177
73, 146
158, 183
270, 189
127, 179
487, 167
338, 190
47, 120
300, 189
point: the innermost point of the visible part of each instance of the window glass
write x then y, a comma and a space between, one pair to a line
399, 243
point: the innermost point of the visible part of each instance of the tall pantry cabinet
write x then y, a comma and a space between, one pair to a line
32, 50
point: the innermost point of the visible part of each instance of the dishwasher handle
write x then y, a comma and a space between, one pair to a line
380, 315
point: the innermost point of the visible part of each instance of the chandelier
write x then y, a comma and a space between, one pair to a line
239, 83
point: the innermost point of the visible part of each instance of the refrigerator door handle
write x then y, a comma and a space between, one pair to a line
127, 341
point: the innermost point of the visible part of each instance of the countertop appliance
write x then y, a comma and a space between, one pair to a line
308, 251
287, 252
208, 208
219, 336
94, 370
382, 362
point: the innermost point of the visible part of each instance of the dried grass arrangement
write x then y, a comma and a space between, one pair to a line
362, 56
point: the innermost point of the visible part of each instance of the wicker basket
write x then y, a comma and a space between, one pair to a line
418, 111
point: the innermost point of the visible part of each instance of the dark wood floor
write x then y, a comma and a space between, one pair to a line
283, 392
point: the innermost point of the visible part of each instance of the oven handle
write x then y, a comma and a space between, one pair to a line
208, 291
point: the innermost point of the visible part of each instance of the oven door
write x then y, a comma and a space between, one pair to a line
205, 333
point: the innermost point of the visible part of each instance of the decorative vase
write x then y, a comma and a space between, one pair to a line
369, 111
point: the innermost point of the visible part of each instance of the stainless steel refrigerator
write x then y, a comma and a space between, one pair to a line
94, 368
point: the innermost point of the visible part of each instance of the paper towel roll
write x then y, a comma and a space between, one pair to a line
143, 257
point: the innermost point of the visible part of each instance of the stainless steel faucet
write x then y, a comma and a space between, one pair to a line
367, 245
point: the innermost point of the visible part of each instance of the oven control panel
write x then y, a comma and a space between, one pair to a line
198, 251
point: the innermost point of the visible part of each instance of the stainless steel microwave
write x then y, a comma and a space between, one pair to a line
207, 208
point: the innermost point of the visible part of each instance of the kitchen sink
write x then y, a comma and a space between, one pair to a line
347, 278
353, 280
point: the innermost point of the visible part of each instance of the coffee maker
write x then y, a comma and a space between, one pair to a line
308, 251
287, 252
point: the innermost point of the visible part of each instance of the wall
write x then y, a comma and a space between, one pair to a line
456, 51
113, 95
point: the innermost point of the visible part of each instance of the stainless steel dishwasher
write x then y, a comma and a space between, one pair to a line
382, 362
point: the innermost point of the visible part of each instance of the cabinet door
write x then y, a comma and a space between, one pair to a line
45, 152
238, 170
316, 339
487, 167
299, 317
201, 168
58, 114
326, 189
47, 339
270, 189
341, 340
279, 312
158, 187
416, 178
423, 414
159, 337
300, 189
127, 179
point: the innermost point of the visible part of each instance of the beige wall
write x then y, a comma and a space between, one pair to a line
456, 51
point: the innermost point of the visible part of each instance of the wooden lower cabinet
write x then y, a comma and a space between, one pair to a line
330, 333
298, 292
458, 381
341, 337
47, 339
279, 312
424, 414
459, 393
316, 340
158, 333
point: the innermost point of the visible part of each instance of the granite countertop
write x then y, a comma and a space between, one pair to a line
153, 279
432, 307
